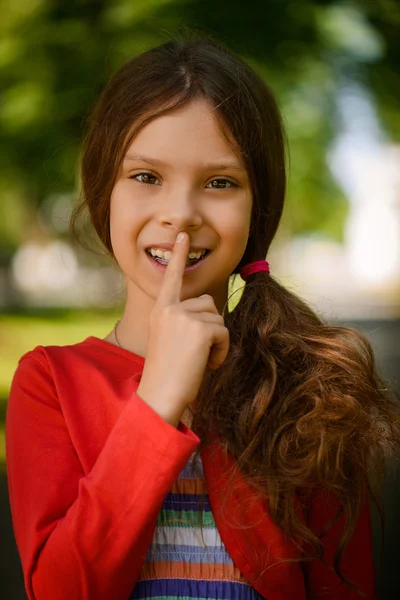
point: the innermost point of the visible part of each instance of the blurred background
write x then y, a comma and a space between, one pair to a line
334, 67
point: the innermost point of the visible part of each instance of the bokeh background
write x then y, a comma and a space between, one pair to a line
334, 67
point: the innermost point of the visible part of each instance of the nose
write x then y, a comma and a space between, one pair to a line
180, 210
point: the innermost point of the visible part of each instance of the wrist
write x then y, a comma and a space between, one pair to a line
159, 403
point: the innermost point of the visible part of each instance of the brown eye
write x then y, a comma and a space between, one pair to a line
220, 184
147, 178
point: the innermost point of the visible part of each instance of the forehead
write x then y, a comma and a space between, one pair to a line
189, 134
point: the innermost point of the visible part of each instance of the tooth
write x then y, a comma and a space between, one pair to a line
166, 255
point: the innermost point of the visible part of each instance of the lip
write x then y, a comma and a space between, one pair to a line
163, 267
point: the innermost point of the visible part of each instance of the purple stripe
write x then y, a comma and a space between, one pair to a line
175, 588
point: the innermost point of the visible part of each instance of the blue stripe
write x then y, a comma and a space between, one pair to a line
176, 588
188, 470
192, 554
180, 502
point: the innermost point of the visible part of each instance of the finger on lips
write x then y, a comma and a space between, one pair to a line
170, 291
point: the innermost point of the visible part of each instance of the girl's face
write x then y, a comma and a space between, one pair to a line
181, 174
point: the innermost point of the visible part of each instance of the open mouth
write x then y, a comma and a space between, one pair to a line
189, 262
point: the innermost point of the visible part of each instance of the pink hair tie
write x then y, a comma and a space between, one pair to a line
254, 267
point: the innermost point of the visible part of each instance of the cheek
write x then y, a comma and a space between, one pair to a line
235, 225
126, 212
122, 223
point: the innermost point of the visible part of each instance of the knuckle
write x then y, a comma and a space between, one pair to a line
225, 334
198, 328
209, 298
210, 303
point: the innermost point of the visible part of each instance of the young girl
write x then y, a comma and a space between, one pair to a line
276, 421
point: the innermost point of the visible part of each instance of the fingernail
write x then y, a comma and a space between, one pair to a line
180, 237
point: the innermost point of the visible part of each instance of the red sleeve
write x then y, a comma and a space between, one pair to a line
357, 563
83, 536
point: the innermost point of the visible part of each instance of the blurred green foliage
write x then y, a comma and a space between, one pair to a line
56, 56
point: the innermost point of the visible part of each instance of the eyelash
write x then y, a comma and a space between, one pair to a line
234, 185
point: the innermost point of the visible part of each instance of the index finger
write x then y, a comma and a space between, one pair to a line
170, 291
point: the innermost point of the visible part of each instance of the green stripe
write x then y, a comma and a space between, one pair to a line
185, 518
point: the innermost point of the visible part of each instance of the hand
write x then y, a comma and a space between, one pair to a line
183, 338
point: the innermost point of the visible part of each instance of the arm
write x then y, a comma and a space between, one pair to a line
85, 536
357, 563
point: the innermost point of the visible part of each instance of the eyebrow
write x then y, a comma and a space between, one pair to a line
211, 166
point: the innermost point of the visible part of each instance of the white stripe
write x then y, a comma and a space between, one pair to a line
187, 536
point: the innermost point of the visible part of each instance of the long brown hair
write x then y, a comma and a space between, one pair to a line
298, 403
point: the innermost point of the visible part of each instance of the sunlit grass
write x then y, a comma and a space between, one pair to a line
23, 332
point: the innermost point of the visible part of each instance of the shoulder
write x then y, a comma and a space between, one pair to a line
43, 368
75, 367
84, 354
49, 380
41, 354
44, 359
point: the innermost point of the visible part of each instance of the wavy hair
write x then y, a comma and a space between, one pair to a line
298, 402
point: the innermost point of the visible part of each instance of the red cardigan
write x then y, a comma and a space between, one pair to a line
89, 465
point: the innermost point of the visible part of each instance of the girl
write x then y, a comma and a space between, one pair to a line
276, 421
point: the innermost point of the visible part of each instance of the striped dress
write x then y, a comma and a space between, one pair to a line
178, 564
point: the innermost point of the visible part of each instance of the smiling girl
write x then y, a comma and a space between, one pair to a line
180, 173
193, 452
